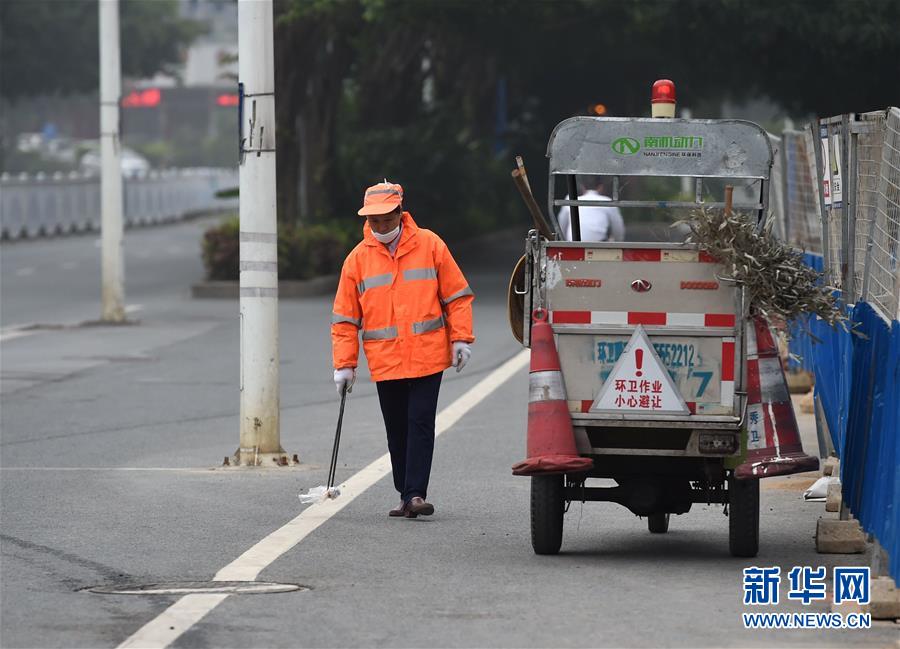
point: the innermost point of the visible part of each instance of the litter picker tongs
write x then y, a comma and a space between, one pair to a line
329, 492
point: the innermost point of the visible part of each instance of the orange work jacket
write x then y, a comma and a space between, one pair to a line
408, 307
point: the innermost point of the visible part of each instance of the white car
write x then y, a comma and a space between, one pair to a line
132, 163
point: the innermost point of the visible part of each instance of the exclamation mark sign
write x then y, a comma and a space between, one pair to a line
639, 361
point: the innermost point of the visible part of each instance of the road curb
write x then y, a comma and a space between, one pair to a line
286, 289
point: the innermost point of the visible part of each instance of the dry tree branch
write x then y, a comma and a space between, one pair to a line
779, 285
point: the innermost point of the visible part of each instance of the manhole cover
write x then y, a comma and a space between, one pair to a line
188, 587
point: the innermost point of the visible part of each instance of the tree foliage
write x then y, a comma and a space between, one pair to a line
51, 46
411, 90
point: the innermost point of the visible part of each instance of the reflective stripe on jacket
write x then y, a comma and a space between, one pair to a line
407, 308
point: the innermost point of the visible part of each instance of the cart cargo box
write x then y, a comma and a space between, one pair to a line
598, 293
641, 354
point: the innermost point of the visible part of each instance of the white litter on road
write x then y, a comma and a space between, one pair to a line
819, 489
319, 495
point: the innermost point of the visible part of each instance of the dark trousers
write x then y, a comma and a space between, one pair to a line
409, 407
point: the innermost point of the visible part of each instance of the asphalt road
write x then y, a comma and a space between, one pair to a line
110, 449
57, 280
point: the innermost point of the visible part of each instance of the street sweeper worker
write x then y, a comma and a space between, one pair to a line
403, 293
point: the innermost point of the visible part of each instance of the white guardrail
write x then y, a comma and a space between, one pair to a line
59, 204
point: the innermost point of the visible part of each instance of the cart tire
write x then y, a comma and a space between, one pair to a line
658, 523
743, 517
547, 509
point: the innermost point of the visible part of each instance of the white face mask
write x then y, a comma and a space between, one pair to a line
387, 237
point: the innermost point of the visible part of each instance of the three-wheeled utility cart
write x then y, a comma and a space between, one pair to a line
650, 336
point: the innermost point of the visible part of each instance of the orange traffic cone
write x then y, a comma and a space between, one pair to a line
773, 438
551, 440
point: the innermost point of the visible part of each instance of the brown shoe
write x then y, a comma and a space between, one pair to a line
417, 506
399, 510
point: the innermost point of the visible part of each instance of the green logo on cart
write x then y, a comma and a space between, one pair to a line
626, 146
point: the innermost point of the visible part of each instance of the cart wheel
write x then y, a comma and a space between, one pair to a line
547, 508
658, 523
743, 517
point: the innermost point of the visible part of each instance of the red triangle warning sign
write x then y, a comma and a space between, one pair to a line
639, 382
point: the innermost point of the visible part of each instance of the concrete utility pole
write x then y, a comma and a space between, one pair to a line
260, 432
112, 277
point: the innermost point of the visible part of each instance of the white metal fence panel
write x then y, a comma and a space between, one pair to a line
777, 183
832, 172
41, 205
802, 214
882, 286
868, 171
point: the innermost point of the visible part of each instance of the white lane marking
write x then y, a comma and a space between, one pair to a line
116, 468
182, 615
11, 333
69, 265
24, 272
20, 331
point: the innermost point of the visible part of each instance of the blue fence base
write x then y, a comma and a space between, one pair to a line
870, 460
858, 385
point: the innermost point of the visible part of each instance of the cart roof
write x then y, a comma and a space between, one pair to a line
700, 148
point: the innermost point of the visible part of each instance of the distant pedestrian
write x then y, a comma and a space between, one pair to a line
402, 289
597, 223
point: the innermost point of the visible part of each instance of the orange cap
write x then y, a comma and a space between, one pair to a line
382, 198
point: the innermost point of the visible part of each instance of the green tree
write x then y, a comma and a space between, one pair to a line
410, 88
49, 46
314, 52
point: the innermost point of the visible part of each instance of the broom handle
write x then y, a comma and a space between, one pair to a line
337, 440
540, 221
520, 165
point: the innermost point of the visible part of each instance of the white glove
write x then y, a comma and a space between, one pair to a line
462, 352
344, 377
